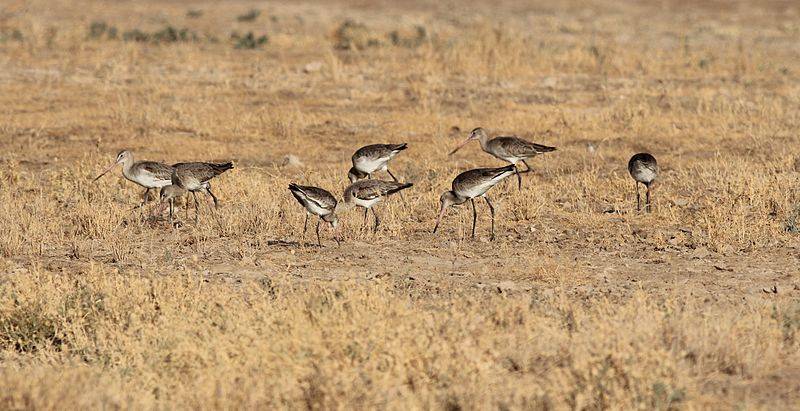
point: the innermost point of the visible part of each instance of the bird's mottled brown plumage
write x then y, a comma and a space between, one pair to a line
192, 176
469, 185
318, 196
643, 169
511, 149
474, 180
372, 158
316, 201
511, 146
372, 189
377, 151
160, 170
367, 193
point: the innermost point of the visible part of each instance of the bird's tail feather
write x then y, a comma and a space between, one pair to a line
400, 187
222, 167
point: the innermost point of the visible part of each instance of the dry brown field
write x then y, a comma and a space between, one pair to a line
581, 303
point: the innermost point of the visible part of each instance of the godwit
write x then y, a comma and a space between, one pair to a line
319, 202
372, 158
148, 174
644, 169
171, 192
194, 177
167, 196
471, 184
510, 149
367, 193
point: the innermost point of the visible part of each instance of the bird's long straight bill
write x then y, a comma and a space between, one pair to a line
458, 148
439, 219
106, 171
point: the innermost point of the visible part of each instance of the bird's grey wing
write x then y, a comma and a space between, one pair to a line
158, 170
321, 197
368, 189
374, 151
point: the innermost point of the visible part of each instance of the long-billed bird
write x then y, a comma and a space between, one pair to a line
367, 193
195, 176
372, 158
511, 149
148, 174
469, 185
319, 202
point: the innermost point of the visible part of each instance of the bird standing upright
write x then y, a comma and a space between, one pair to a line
643, 168
148, 174
469, 185
511, 149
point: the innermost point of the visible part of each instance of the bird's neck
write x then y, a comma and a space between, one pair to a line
127, 165
483, 139
457, 199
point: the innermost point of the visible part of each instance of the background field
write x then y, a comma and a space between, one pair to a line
581, 303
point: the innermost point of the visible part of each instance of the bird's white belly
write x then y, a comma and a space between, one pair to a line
366, 203
476, 191
315, 209
370, 166
150, 181
645, 175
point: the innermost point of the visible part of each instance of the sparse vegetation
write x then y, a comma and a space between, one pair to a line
250, 16
351, 35
581, 303
248, 41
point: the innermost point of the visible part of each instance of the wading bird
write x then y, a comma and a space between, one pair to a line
510, 149
644, 169
372, 158
168, 195
319, 202
194, 177
148, 174
469, 185
367, 193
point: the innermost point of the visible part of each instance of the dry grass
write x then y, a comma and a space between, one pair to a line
581, 303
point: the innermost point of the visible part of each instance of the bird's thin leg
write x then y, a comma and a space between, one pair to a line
146, 196
638, 199
519, 177
171, 208
319, 241
213, 197
377, 220
491, 210
196, 208
305, 226
474, 216
366, 213
647, 200
186, 205
529, 169
333, 231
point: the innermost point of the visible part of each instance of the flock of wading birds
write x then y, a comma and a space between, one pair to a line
182, 179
